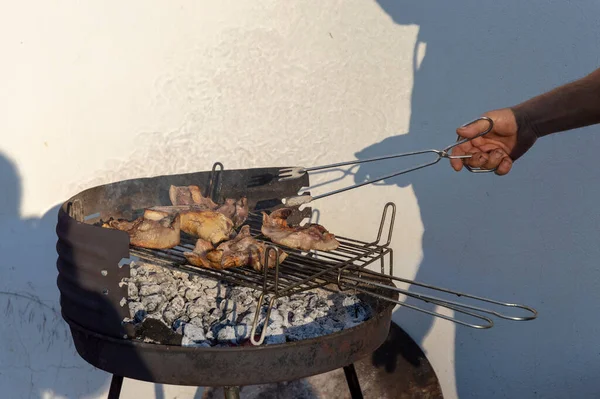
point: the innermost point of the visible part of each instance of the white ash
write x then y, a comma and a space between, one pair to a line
208, 312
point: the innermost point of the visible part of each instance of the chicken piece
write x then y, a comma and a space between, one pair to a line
155, 229
237, 211
207, 225
241, 211
307, 237
197, 257
228, 208
243, 250
174, 209
190, 195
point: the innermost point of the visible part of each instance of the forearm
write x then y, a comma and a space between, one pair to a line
571, 106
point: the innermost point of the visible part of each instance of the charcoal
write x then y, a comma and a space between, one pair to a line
153, 302
350, 300
150, 289
194, 310
134, 307
193, 332
227, 334
140, 315
178, 326
155, 331
192, 293
204, 312
132, 291
180, 275
169, 290
197, 321
210, 292
242, 331
275, 339
227, 305
173, 310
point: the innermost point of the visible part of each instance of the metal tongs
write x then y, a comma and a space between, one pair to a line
297, 172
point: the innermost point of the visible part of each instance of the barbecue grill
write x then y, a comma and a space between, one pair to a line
93, 261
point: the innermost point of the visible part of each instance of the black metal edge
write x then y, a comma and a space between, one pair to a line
260, 185
89, 274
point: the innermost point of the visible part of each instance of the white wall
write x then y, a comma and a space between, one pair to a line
97, 92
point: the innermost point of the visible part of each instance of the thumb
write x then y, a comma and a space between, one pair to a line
472, 129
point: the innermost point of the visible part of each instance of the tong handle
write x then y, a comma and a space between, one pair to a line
358, 279
304, 199
464, 140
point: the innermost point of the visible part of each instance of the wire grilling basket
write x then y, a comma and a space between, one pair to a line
350, 267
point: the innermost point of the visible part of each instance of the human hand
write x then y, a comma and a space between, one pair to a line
498, 148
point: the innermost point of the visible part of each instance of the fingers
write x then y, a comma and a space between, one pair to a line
486, 152
495, 159
457, 164
477, 160
471, 130
504, 167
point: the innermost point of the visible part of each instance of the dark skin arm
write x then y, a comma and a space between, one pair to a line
517, 128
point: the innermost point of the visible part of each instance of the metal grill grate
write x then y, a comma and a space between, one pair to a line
300, 271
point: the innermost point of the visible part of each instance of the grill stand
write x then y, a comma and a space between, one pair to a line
233, 392
115, 387
353, 383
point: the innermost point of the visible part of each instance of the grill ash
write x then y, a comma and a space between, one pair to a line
174, 307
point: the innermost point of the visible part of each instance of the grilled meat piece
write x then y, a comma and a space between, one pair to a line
207, 225
307, 237
191, 196
228, 208
155, 229
243, 250
197, 257
241, 211
237, 211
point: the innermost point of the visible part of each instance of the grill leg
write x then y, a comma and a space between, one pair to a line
115, 387
232, 392
353, 384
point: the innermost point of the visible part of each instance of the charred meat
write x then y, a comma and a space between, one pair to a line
236, 210
197, 257
189, 195
310, 236
241, 211
243, 250
207, 225
155, 229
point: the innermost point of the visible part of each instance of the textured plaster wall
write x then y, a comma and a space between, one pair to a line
94, 92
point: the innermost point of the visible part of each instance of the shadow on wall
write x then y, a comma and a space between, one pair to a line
37, 356
529, 237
